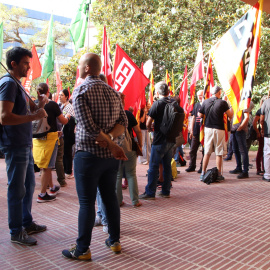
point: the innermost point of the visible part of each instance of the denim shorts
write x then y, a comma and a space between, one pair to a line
53, 157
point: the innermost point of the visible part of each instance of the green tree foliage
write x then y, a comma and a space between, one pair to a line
169, 31
16, 23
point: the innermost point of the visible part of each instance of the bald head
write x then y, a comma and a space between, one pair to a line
89, 64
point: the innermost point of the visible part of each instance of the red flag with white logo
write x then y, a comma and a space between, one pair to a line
106, 61
34, 71
128, 78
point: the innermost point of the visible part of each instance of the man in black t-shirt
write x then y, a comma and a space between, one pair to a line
214, 132
195, 134
161, 151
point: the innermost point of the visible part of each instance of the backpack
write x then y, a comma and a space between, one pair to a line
210, 176
172, 121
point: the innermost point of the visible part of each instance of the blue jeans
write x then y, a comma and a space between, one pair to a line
178, 149
101, 209
129, 166
160, 154
91, 172
21, 186
240, 149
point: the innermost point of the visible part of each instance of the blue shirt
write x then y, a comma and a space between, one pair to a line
15, 135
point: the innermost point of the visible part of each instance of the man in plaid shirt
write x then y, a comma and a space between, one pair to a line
100, 119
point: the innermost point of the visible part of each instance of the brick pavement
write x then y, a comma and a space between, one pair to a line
221, 226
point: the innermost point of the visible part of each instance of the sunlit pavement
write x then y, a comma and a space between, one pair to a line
221, 226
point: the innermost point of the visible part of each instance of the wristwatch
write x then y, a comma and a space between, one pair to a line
111, 136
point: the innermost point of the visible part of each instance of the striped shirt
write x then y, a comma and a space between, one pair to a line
97, 108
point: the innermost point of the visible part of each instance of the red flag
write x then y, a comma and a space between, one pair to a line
128, 78
34, 71
58, 80
106, 61
183, 95
198, 73
78, 79
143, 99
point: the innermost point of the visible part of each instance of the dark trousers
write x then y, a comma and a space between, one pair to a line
59, 166
259, 157
195, 143
91, 172
67, 158
230, 147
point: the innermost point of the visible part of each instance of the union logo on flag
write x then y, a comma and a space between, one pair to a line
123, 75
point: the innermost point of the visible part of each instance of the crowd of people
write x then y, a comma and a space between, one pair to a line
107, 140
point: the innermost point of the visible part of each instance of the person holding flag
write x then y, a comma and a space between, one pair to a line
195, 134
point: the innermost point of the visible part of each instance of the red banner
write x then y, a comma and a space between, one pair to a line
128, 78
198, 73
34, 71
106, 61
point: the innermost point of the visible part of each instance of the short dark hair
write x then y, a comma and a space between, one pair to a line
66, 93
16, 54
43, 88
162, 88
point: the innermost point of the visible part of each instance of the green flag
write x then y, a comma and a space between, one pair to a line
78, 25
48, 62
1, 40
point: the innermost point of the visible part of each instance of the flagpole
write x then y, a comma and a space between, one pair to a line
88, 26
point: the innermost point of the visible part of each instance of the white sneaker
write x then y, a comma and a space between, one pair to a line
105, 229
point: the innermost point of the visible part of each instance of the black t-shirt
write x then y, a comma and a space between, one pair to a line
53, 111
156, 112
259, 112
142, 124
197, 124
214, 119
132, 122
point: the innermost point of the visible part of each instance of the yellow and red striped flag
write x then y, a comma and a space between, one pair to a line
151, 90
209, 82
173, 89
183, 95
225, 120
168, 82
235, 57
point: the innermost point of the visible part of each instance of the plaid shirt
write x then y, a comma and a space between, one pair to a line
97, 108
